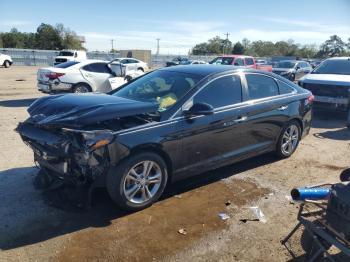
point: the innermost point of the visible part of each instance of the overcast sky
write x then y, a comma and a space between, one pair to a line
180, 24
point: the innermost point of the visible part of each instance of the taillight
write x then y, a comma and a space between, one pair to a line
311, 99
53, 75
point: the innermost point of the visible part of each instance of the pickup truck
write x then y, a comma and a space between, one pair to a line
240, 60
70, 55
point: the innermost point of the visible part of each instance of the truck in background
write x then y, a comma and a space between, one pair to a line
240, 60
70, 55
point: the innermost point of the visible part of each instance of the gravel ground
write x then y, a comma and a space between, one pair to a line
37, 226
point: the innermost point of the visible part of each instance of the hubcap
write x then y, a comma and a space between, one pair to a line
290, 140
142, 182
81, 89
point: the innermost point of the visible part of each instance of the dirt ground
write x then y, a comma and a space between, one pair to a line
37, 226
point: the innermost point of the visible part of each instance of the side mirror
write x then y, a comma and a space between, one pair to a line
199, 109
297, 68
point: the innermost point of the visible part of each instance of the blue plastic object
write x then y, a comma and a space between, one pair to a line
310, 193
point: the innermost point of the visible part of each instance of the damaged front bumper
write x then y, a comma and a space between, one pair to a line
66, 154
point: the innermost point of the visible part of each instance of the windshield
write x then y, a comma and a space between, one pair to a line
283, 64
65, 53
222, 61
67, 64
163, 87
336, 67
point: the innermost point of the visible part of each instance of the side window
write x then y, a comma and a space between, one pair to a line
124, 61
249, 61
239, 62
97, 68
133, 61
284, 88
260, 86
224, 91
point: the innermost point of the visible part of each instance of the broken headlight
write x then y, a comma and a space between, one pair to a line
94, 140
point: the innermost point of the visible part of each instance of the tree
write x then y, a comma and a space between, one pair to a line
47, 37
238, 49
334, 46
307, 51
214, 46
69, 39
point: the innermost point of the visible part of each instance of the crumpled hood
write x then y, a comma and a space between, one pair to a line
77, 110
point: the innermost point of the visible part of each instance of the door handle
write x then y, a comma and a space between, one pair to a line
240, 119
282, 108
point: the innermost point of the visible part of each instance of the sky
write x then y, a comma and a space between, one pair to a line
180, 24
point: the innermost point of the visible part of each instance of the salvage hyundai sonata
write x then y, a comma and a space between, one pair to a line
166, 125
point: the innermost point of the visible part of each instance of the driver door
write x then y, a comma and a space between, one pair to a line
212, 140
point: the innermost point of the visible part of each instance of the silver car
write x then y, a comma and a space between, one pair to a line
133, 64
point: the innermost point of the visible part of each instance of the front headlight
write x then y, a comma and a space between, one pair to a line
96, 140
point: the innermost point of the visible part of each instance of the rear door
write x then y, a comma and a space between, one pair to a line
98, 74
267, 112
249, 62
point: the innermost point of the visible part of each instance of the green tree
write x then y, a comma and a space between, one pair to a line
69, 39
47, 37
307, 51
214, 46
334, 46
238, 49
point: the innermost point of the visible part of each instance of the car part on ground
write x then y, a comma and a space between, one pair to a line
330, 84
109, 140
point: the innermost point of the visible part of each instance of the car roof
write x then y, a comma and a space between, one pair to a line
89, 61
206, 69
340, 58
127, 58
241, 56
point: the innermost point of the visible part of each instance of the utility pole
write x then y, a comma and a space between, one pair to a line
224, 45
158, 46
112, 42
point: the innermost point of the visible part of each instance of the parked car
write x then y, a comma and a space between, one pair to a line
240, 60
133, 64
291, 69
177, 61
198, 62
330, 83
5, 60
70, 55
163, 126
82, 77
261, 62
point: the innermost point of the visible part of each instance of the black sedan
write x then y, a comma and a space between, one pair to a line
166, 125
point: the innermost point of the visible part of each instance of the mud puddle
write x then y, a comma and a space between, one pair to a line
153, 233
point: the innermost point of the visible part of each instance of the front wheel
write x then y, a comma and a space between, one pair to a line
138, 181
289, 139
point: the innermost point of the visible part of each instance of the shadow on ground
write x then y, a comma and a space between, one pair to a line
50, 222
17, 102
328, 119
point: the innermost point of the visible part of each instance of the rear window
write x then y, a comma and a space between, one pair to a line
67, 64
66, 53
335, 67
260, 86
222, 61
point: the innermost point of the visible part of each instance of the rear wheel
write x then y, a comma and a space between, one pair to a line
140, 69
81, 88
7, 64
138, 181
289, 139
292, 77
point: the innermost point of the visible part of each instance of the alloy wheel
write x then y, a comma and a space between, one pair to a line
142, 182
81, 89
290, 140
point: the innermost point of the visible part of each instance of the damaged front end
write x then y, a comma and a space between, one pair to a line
73, 156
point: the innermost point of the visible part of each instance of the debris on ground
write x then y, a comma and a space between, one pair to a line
246, 220
224, 216
178, 196
290, 199
20, 80
258, 214
182, 231
227, 203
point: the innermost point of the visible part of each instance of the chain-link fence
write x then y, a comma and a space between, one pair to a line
34, 57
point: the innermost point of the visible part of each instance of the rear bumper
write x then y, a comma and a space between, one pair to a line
331, 103
49, 87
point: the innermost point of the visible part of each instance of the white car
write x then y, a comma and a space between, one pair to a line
86, 76
5, 60
132, 63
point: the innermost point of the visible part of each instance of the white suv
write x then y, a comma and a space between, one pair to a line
5, 60
70, 55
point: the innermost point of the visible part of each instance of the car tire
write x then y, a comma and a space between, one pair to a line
292, 77
288, 140
131, 187
310, 246
81, 88
7, 64
128, 78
